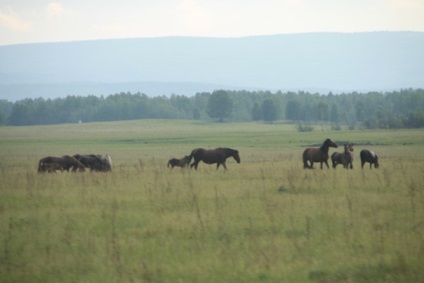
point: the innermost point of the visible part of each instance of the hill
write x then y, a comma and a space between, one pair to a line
319, 62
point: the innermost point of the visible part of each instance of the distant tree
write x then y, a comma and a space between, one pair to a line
256, 112
334, 114
293, 110
415, 120
220, 105
269, 110
5, 110
196, 114
322, 106
372, 110
360, 111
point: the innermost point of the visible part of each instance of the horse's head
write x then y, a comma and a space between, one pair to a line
376, 161
330, 143
236, 155
348, 147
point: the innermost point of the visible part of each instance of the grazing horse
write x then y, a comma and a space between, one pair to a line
370, 157
182, 162
96, 162
345, 158
52, 163
211, 156
317, 154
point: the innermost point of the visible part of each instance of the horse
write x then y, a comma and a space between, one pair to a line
96, 162
52, 163
182, 162
345, 158
211, 156
90, 161
106, 162
317, 154
370, 157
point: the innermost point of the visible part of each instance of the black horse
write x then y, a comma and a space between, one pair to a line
317, 154
345, 158
370, 157
182, 162
52, 163
96, 162
211, 156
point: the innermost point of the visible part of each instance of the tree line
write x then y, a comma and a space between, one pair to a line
397, 109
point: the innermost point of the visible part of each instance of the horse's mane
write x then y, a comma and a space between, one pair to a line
226, 149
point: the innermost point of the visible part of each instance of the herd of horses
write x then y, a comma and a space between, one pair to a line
310, 155
320, 154
218, 156
77, 162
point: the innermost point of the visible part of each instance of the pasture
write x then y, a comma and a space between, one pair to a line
264, 220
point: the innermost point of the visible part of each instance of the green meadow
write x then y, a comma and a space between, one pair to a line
263, 220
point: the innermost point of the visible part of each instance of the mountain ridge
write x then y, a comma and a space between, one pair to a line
338, 62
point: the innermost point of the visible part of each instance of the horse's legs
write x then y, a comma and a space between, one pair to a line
223, 164
326, 163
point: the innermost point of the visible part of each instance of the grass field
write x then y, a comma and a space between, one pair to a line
263, 220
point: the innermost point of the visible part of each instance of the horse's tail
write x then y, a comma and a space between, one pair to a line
40, 166
305, 160
191, 155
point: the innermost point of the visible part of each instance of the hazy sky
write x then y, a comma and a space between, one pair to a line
26, 21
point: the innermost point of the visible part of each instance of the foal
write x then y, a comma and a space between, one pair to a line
345, 158
182, 162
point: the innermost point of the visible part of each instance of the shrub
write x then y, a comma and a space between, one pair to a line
304, 128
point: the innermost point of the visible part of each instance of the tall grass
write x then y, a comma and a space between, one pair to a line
263, 220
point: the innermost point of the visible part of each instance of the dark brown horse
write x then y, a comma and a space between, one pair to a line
317, 154
345, 158
211, 156
182, 162
52, 163
370, 157
96, 162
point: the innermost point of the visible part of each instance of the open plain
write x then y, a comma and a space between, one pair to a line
264, 220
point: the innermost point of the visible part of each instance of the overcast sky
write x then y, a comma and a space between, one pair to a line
28, 21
